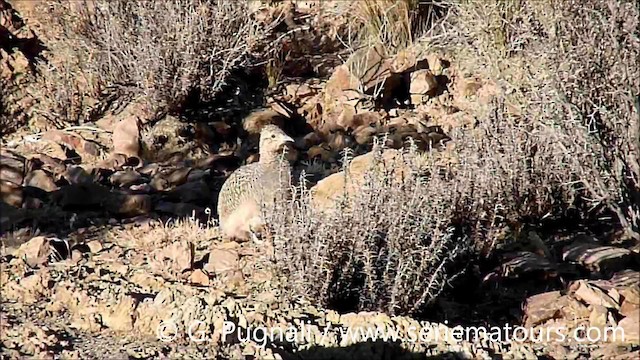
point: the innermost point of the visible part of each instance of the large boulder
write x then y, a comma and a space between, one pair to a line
328, 191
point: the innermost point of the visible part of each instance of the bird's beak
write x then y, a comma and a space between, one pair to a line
287, 139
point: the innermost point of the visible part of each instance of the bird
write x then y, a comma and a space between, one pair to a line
248, 190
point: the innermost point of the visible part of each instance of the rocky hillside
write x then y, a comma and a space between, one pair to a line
461, 165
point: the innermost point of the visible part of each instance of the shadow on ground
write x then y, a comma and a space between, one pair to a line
370, 350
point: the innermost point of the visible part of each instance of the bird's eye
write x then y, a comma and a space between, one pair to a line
273, 136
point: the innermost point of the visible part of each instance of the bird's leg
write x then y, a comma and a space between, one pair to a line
256, 237
256, 226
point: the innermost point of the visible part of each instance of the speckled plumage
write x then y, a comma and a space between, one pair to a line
251, 188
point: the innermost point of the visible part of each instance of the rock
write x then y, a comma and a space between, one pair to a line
198, 277
223, 130
33, 203
126, 178
12, 167
119, 316
339, 140
149, 169
54, 165
422, 82
299, 91
557, 351
11, 193
141, 189
196, 175
159, 182
174, 159
76, 175
128, 205
11, 216
344, 119
598, 317
35, 251
114, 161
178, 209
356, 121
192, 192
631, 294
371, 66
134, 110
526, 263
308, 140
340, 81
628, 307
436, 64
572, 309
222, 260
175, 258
178, 176
41, 180
322, 152
72, 141
631, 327
598, 258
13, 63
364, 135
469, 87
31, 288
126, 137
232, 279
255, 121
328, 191
220, 165
341, 95
540, 308
404, 60
95, 246
614, 352
592, 295
625, 278
90, 195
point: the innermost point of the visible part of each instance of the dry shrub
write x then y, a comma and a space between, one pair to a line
388, 247
560, 141
571, 70
598, 81
167, 52
393, 246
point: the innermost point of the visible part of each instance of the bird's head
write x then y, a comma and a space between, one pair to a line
272, 141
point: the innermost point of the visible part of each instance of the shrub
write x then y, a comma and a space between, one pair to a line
387, 247
560, 141
571, 71
166, 52
394, 245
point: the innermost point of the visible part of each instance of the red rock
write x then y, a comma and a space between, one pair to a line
11, 193
592, 295
126, 137
631, 327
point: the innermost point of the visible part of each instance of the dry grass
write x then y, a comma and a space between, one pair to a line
394, 25
158, 234
167, 53
387, 22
